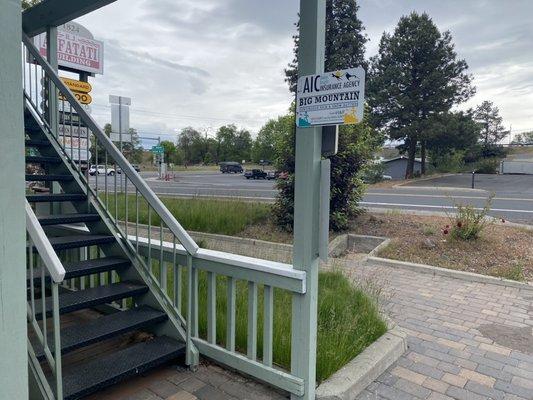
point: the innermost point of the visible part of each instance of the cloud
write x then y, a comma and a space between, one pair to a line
209, 62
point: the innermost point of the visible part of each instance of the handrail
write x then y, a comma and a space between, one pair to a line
158, 206
44, 247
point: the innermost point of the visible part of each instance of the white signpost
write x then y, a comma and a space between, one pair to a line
331, 98
120, 118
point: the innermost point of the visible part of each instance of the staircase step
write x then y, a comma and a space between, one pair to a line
81, 335
78, 300
37, 143
94, 375
49, 198
75, 241
43, 160
67, 219
48, 178
76, 269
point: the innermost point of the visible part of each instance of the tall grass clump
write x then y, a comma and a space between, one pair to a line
348, 319
204, 215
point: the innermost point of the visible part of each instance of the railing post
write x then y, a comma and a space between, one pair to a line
306, 205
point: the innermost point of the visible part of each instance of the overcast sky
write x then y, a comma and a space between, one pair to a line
205, 63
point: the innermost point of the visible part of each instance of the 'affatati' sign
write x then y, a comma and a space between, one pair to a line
76, 49
331, 98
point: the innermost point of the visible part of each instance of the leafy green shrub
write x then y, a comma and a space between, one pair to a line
451, 162
487, 166
373, 173
468, 223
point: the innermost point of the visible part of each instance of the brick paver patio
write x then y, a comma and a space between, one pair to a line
467, 341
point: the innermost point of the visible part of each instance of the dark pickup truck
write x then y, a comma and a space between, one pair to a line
255, 174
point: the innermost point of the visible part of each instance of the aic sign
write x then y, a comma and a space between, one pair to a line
331, 98
76, 48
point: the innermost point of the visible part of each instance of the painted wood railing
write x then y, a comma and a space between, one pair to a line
255, 273
43, 266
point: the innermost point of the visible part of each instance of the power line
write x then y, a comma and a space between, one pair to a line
181, 116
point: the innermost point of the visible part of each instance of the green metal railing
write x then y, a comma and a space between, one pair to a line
49, 268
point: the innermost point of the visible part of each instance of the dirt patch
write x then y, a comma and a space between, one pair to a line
501, 251
519, 339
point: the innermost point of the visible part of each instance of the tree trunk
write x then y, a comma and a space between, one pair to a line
423, 156
409, 173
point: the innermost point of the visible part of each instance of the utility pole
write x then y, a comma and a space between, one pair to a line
307, 205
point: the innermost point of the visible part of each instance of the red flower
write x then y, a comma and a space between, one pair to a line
447, 226
445, 231
459, 224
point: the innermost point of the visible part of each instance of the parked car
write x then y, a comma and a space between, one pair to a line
101, 170
230, 167
255, 174
271, 175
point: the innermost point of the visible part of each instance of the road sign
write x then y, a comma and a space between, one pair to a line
83, 98
117, 137
331, 98
77, 86
157, 149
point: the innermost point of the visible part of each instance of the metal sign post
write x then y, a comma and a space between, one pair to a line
306, 205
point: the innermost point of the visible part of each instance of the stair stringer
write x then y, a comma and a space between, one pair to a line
175, 326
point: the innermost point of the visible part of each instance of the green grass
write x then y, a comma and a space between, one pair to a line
515, 272
348, 319
224, 217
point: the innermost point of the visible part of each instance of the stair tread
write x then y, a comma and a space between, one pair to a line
105, 371
73, 241
56, 219
36, 142
42, 198
78, 300
43, 159
50, 177
84, 334
76, 269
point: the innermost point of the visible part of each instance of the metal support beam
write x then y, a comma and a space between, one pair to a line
13, 335
306, 205
36, 19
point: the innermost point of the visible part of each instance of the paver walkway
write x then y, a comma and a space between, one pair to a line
466, 340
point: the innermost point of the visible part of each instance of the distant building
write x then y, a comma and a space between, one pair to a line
396, 167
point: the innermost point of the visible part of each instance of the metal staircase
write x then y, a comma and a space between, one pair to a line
100, 268
134, 359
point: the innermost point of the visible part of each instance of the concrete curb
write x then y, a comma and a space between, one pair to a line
450, 273
354, 377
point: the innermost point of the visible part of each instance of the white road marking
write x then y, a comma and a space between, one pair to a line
443, 196
441, 207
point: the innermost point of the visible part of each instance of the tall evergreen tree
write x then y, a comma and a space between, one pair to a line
415, 77
344, 48
487, 115
345, 40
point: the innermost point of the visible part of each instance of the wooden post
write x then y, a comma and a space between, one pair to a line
306, 205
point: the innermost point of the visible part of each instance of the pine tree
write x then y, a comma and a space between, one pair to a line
487, 115
345, 40
415, 77
344, 48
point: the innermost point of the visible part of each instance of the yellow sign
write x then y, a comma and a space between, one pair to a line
83, 98
77, 86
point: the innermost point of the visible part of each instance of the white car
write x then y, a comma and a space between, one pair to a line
101, 170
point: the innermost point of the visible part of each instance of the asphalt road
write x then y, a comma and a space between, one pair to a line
513, 195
